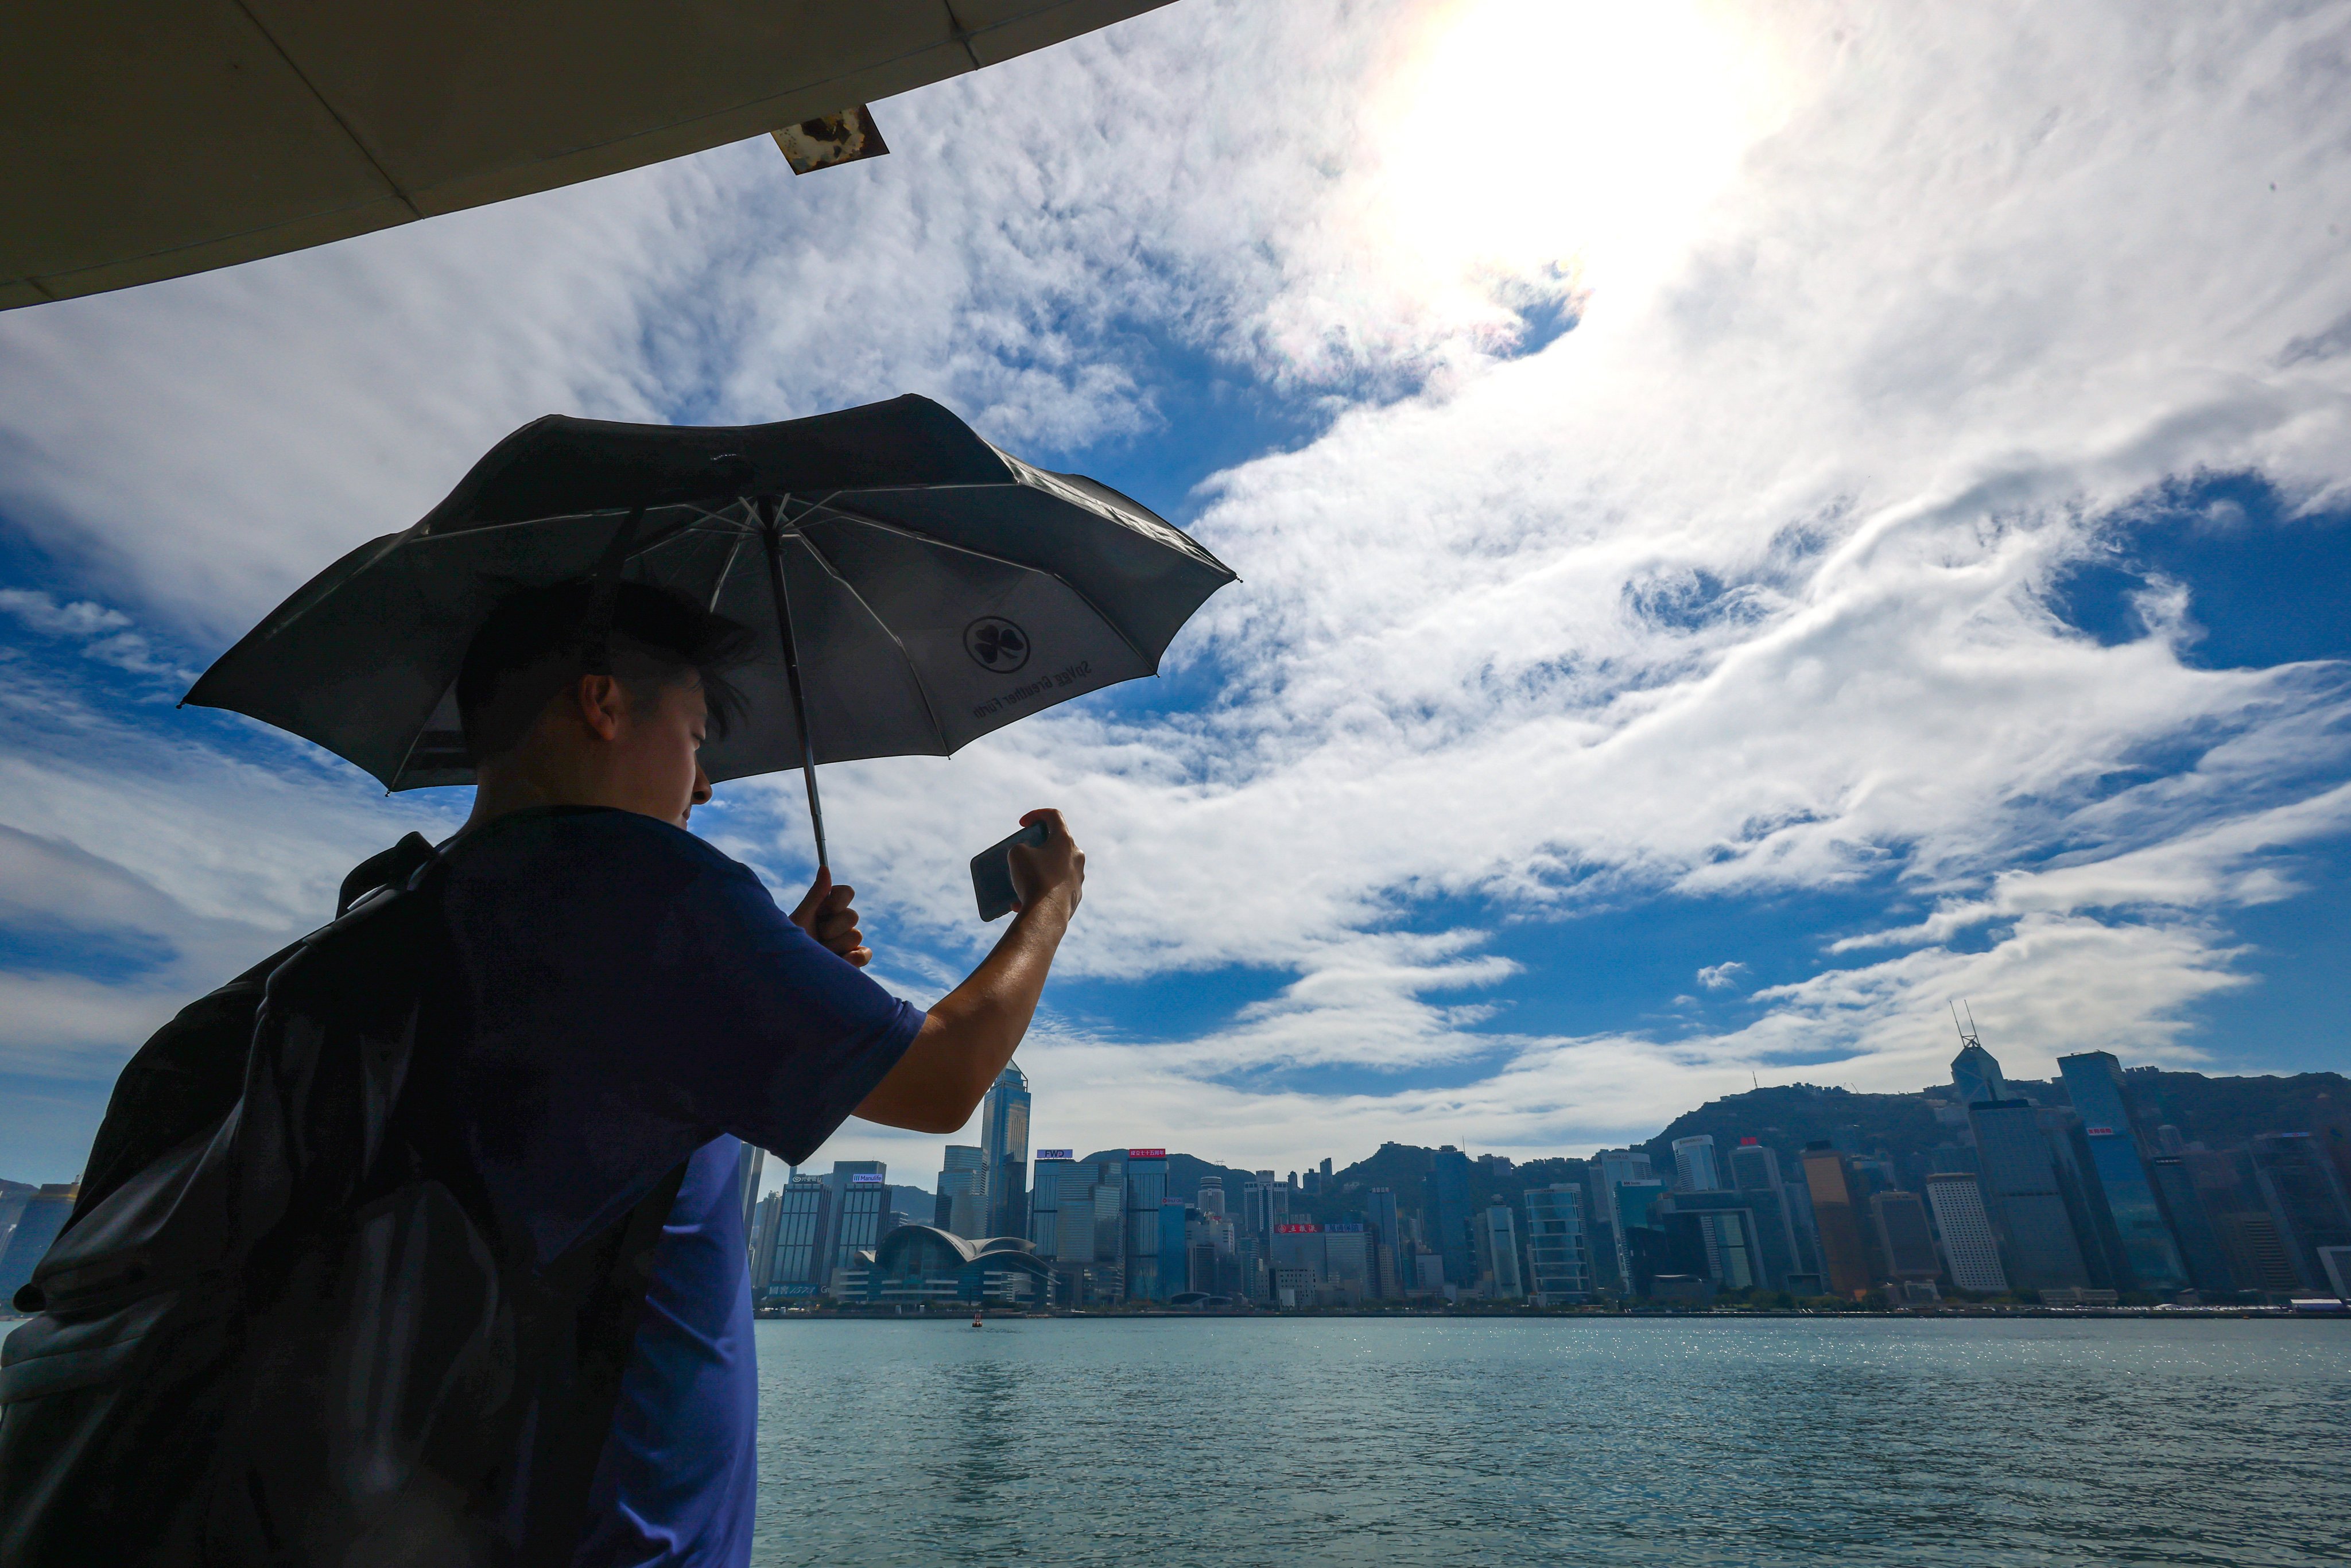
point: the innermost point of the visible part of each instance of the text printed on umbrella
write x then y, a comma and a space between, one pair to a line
1066, 675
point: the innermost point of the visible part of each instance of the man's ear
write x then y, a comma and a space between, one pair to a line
602, 705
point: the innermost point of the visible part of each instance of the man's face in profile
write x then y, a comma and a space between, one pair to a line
655, 762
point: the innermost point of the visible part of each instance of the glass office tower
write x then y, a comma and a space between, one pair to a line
1447, 1205
2200, 1248
805, 1208
1045, 1198
860, 1214
1146, 1189
1695, 1166
1975, 1073
2305, 1199
1004, 1141
2038, 1247
2150, 1254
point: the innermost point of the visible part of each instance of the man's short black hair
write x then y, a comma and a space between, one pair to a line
540, 639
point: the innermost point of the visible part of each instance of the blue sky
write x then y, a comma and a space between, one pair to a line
1754, 523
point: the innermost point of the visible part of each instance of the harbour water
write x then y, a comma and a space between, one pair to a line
1584, 1440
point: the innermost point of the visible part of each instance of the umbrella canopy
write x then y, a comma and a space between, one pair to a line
912, 587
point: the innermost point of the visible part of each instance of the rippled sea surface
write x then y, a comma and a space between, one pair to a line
1563, 1440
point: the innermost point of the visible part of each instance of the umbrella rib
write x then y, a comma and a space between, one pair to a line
1075, 591
913, 670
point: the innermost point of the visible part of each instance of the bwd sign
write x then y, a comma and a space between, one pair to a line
1057, 1153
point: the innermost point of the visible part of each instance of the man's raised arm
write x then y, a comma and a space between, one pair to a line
974, 1030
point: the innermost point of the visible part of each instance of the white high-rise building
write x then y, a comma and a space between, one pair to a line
1969, 1249
963, 1184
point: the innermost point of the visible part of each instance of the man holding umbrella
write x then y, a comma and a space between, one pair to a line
636, 998
430, 1221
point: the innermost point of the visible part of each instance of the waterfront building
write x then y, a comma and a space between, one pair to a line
1755, 1177
963, 1191
1905, 1238
38, 1222
1496, 1235
1146, 1189
1004, 1140
1387, 1240
923, 1265
2336, 1262
860, 1215
1719, 1235
2085, 1204
1844, 1255
2150, 1258
1210, 1200
1347, 1262
1695, 1166
1045, 1198
796, 1255
1601, 1174
1970, 1251
762, 1239
1641, 1244
1559, 1264
750, 1158
2038, 1247
1174, 1273
2200, 1251
2305, 1199
1446, 1205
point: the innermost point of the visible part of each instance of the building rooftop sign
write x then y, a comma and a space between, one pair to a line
866, 1178
1147, 1154
1296, 1229
1057, 1153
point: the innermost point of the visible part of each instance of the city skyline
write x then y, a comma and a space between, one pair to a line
2083, 1190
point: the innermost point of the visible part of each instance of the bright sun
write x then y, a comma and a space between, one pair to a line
1570, 144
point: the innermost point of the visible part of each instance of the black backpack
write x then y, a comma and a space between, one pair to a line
282, 1325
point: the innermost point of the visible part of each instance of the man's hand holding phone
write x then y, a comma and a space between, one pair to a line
1053, 869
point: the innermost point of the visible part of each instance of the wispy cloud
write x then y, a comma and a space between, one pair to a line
1742, 586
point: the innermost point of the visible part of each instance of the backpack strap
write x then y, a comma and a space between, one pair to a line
389, 868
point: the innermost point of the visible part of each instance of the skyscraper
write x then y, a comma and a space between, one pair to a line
1496, 1253
1387, 1238
2200, 1241
1976, 1074
861, 1212
1146, 1189
1969, 1247
1694, 1167
1755, 1177
1844, 1258
1210, 1199
1904, 1240
1557, 1258
1045, 1198
2150, 1255
2305, 1199
1004, 1140
1640, 1233
962, 1183
803, 1213
2038, 1248
749, 1159
1447, 1205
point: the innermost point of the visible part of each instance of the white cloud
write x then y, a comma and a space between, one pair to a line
1721, 977
1739, 587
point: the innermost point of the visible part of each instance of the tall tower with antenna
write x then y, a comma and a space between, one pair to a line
1975, 1071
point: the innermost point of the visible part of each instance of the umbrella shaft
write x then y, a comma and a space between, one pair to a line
773, 536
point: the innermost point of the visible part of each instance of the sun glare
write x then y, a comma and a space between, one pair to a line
1567, 146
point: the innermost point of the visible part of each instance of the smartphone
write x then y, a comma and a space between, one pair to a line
991, 871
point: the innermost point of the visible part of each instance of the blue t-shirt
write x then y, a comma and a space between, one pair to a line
637, 998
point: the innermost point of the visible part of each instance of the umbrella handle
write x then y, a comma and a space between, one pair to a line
772, 536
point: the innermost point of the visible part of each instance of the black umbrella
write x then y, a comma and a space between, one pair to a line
916, 586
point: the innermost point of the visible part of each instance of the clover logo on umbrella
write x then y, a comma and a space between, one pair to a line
995, 643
